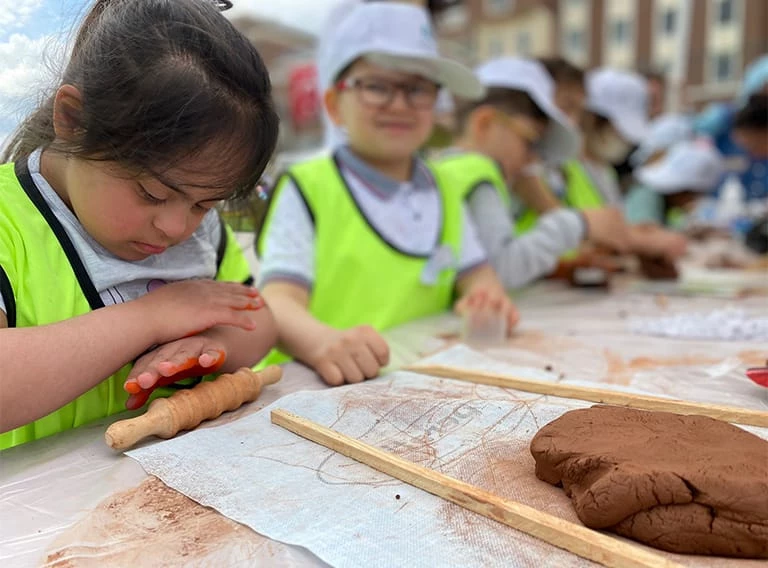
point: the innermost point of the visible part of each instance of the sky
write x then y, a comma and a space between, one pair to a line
33, 34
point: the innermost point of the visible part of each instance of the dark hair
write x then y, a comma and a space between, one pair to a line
162, 81
754, 115
563, 71
511, 101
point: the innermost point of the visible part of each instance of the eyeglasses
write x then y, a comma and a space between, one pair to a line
380, 93
530, 135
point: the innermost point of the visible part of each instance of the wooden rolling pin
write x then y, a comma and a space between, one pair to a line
185, 409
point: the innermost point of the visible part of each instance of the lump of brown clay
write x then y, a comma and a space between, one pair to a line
687, 484
657, 268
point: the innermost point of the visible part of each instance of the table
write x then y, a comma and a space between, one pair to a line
57, 490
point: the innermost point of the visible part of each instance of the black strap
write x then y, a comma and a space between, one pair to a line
86, 284
221, 251
6, 291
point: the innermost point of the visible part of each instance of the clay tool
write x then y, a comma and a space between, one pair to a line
187, 408
591, 394
759, 375
569, 536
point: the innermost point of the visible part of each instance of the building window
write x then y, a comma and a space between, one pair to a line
574, 41
723, 67
495, 7
669, 21
619, 31
725, 12
523, 43
495, 47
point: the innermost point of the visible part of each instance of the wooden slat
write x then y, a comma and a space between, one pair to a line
574, 538
592, 394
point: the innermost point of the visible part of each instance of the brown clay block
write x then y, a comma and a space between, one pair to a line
687, 484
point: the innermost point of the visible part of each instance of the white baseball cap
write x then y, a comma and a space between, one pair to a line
692, 165
397, 36
622, 98
663, 133
561, 141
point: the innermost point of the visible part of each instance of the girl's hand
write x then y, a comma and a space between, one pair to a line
489, 299
182, 309
172, 362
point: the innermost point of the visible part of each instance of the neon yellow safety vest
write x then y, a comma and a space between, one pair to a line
465, 172
43, 281
360, 278
580, 193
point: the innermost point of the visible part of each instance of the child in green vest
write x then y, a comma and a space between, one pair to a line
370, 237
616, 118
500, 135
110, 245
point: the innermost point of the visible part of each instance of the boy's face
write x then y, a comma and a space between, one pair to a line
388, 115
570, 98
510, 139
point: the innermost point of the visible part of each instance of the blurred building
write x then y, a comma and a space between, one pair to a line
288, 53
704, 43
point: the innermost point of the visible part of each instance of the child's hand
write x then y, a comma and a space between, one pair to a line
172, 362
185, 308
350, 356
655, 241
491, 299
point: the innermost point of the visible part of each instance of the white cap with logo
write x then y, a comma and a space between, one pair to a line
663, 132
691, 165
561, 140
400, 37
622, 98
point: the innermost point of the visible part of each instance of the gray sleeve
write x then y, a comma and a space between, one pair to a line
472, 250
289, 243
521, 260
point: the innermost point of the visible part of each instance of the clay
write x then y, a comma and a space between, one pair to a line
657, 268
687, 484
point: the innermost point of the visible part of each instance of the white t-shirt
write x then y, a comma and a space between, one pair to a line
118, 280
406, 214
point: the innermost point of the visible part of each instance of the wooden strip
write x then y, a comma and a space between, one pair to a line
591, 394
574, 538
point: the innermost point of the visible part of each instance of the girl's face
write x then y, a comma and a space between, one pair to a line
135, 217
607, 145
388, 115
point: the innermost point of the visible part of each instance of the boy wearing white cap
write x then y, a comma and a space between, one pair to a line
369, 238
671, 185
517, 122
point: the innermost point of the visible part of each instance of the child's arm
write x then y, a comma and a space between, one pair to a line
521, 260
350, 355
43, 368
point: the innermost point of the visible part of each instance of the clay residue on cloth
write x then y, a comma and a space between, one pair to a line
153, 525
687, 484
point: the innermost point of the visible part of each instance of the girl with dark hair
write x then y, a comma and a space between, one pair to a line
116, 272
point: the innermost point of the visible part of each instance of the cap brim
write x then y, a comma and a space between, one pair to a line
633, 128
561, 141
455, 77
659, 179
